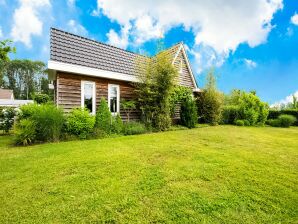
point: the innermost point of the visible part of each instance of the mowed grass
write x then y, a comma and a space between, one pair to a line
222, 174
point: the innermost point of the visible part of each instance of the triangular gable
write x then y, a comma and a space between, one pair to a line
186, 76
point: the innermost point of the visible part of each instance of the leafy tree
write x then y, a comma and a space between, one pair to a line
5, 49
210, 101
157, 80
128, 106
103, 117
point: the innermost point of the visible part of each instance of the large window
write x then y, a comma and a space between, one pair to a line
88, 95
114, 98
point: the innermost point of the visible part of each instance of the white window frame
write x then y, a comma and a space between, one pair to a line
118, 98
83, 82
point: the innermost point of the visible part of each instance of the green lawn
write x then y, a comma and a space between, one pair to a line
222, 174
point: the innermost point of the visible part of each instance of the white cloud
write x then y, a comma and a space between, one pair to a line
294, 19
250, 63
283, 102
71, 3
74, 27
218, 25
119, 40
1, 34
26, 20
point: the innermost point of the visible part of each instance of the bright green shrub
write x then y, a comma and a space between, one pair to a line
286, 120
41, 98
188, 113
48, 120
25, 133
117, 124
80, 123
230, 114
134, 128
239, 122
103, 117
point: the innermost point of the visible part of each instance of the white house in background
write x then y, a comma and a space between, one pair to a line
7, 99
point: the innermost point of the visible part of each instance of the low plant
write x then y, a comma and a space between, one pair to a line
134, 128
128, 106
286, 120
239, 122
103, 117
188, 113
246, 123
80, 123
41, 98
25, 133
117, 125
7, 118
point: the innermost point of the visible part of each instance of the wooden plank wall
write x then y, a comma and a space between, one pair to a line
69, 92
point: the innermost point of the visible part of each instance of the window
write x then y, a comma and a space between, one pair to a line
114, 98
88, 95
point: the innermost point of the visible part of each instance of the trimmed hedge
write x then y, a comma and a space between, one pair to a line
274, 114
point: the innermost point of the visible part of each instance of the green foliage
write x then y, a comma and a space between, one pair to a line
249, 107
5, 49
286, 120
210, 101
23, 77
41, 98
230, 114
157, 80
103, 117
274, 114
128, 106
178, 94
246, 123
48, 120
188, 113
7, 118
134, 128
80, 123
239, 122
25, 133
117, 124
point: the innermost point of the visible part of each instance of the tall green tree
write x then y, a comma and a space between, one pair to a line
5, 49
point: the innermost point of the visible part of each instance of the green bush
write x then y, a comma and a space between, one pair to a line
25, 133
134, 128
273, 122
48, 120
239, 122
286, 120
41, 98
80, 123
103, 117
7, 118
246, 123
273, 114
117, 125
230, 114
188, 113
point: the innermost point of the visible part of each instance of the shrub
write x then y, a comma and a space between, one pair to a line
117, 125
273, 114
246, 123
286, 120
103, 117
41, 98
188, 113
7, 118
210, 102
25, 133
128, 106
239, 122
230, 114
80, 123
273, 122
134, 128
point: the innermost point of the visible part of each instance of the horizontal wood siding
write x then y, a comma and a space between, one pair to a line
69, 92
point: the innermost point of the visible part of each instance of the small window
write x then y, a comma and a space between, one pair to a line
88, 95
113, 98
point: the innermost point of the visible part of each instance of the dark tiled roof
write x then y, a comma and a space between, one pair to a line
77, 50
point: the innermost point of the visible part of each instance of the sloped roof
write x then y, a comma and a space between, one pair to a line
6, 94
73, 49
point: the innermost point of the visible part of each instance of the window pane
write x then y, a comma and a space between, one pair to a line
88, 96
113, 104
113, 98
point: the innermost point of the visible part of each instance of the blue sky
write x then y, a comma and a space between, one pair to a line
253, 45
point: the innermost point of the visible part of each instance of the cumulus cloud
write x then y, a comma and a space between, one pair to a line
250, 63
27, 21
285, 101
294, 19
76, 28
218, 25
119, 40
